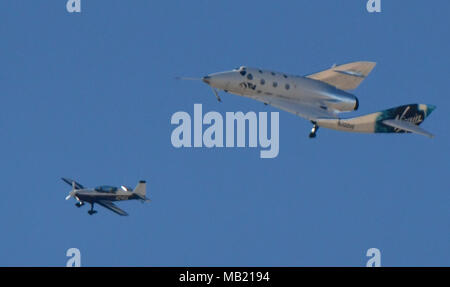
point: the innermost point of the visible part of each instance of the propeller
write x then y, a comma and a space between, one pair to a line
72, 192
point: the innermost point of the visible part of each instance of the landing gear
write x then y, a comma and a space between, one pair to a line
216, 93
314, 129
79, 204
92, 211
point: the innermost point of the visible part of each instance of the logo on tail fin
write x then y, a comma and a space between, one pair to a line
415, 118
415, 113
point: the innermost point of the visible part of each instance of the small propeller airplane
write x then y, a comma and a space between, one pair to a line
320, 98
104, 195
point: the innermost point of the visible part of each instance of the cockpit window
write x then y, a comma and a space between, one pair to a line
243, 72
106, 189
241, 69
285, 76
250, 76
260, 71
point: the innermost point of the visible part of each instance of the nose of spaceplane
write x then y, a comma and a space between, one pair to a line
206, 79
218, 80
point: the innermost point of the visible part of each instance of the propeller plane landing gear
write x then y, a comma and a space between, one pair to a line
79, 204
314, 129
92, 211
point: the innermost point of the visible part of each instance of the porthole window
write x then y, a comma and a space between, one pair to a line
273, 74
243, 72
285, 76
250, 76
275, 84
287, 86
262, 81
260, 71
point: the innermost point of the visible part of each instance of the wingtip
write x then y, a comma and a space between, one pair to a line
372, 65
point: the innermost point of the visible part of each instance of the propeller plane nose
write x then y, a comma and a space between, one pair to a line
71, 194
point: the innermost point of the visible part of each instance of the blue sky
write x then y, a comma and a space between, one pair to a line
90, 97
